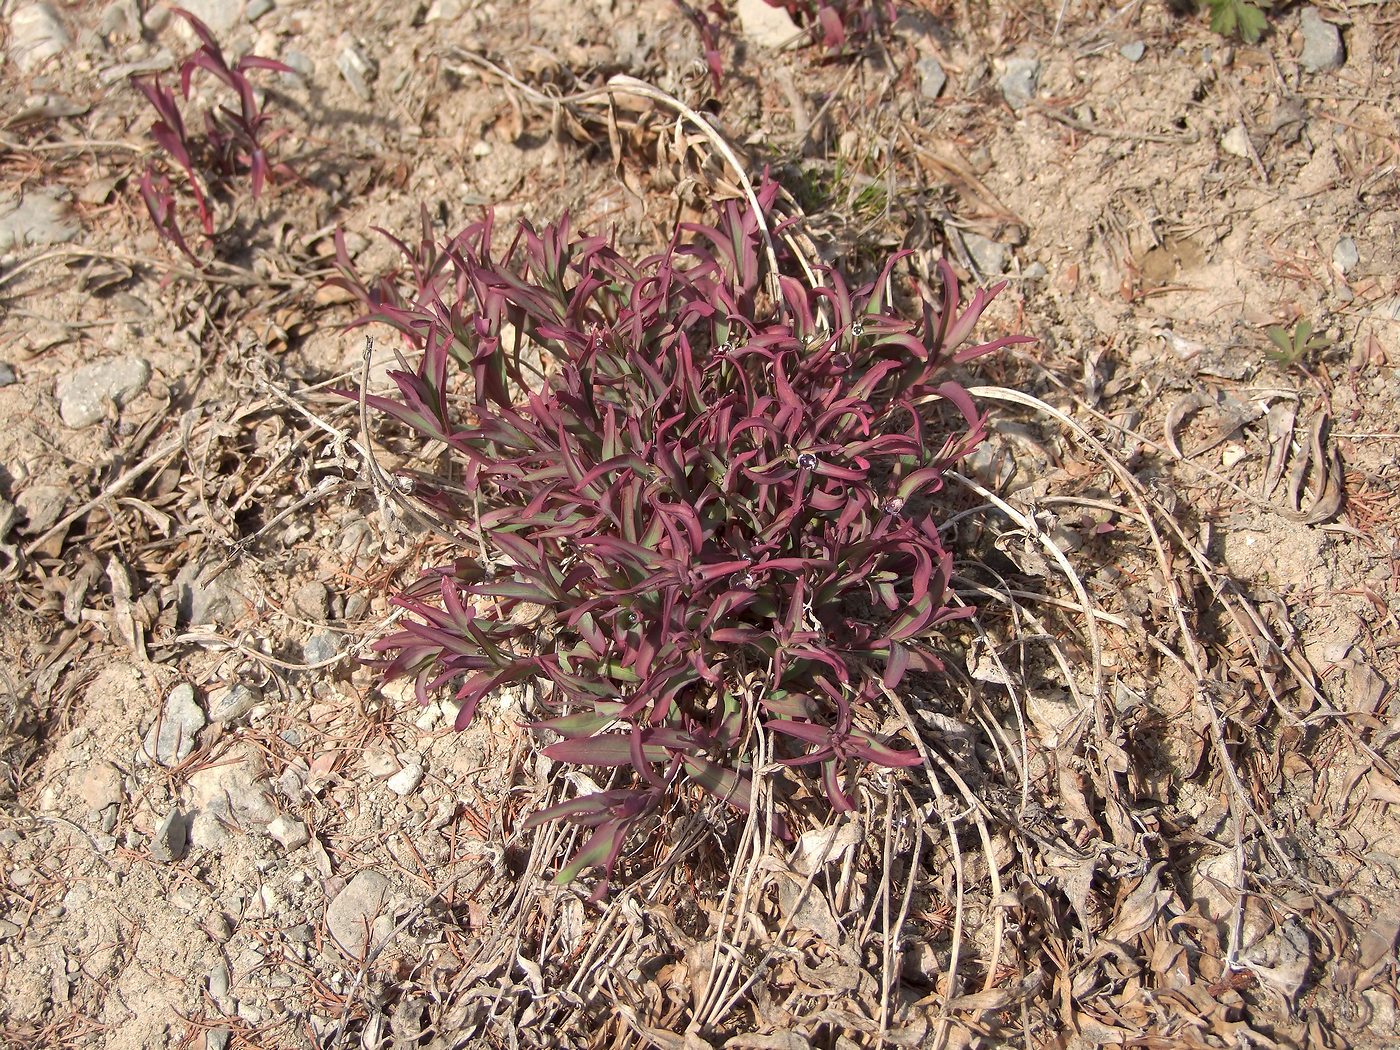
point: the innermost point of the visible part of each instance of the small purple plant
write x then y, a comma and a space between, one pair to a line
840, 21
725, 503
234, 141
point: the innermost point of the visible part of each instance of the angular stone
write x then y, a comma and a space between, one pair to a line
350, 916
932, 79
231, 792
290, 833
232, 701
172, 738
1345, 256
989, 256
311, 601
1322, 43
1019, 81
170, 839
1133, 52
83, 396
406, 780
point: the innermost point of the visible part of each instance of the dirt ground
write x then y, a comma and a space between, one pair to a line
1170, 758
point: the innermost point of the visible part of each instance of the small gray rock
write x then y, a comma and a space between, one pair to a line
221, 16
257, 8
7, 374
989, 256
1322, 43
1019, 81
219, 980
170, 839
406, 780
216, 1039
1345, 256
301, 63
216, 602
350, 916
232, 701
42, 216
1133, 52
312, 601
357, 67
172, 738
83, 396
320, 647
291, 834
9, 930
932, 79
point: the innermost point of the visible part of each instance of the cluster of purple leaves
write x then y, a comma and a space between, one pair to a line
840, 22
721, 502
234, 141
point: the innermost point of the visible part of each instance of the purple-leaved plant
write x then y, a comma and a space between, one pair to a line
234, 141
840, 21
711, 510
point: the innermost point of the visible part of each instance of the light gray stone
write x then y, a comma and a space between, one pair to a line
257, 8
221, 16
320, 647
1019, 81
219, 980
216, 1039
83, 396
170, 839
988, 255
290, 833
765, 25
1133, 52
932, 79
1322, 43
41, 216
42, 506
7, 374
37, 34
351, 915
1345, 256
1236, 142
406, 780
172, 738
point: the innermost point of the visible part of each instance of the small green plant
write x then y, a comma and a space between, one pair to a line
717, 485
1242, 18
1291, 348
